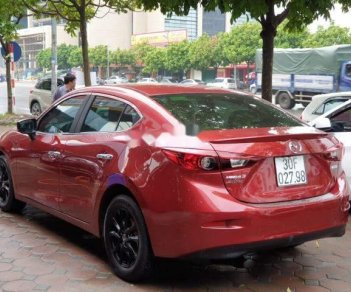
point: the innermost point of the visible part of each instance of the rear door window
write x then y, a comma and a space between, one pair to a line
328, 105
200, 112
104, 115
46, 85
129, 118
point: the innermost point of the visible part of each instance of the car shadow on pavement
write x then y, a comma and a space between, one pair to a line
316, 263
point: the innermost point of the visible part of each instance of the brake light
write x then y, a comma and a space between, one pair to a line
334, 157
31, 91
206, 162
335, 154
192, 161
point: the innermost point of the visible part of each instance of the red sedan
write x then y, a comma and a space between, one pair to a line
176, 172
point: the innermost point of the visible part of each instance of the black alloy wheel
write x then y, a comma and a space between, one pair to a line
126, 240
8, 203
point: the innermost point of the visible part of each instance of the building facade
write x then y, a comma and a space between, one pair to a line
118, 30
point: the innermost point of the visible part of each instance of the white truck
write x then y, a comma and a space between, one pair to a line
299, 74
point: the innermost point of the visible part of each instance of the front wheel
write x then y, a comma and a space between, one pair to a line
8, 202
126, 240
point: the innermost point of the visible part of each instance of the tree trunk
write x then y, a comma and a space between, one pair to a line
85, 53
8, 81
268, 33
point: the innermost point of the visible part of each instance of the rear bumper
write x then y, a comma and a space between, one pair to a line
233, 251
212, 224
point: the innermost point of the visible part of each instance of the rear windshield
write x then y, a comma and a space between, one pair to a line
200, 112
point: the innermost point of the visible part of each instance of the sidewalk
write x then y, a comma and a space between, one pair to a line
39, 252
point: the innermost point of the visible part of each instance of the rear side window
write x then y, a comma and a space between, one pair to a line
200, 112
103, 115
129, 118
328, 105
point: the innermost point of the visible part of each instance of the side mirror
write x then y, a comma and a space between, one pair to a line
28, 126
322, 124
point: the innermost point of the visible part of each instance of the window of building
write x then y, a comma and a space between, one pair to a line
213, 22
188, 22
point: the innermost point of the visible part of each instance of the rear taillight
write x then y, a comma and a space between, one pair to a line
206, 162
334, 157
335, 154
31, 91
193, 161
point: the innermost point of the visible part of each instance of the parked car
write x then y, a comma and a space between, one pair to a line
338, 121
147, 80
227, 83
192, 82
176, 172
40, 97
168, 81
116, 80
322, 103
100, 81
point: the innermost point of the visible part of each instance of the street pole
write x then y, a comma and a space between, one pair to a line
53, 55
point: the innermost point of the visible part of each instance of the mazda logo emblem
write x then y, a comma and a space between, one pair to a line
295, 147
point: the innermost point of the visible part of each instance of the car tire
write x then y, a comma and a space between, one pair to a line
126, 240
8, 202
35, 109
285, 101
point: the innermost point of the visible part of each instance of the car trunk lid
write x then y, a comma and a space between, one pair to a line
269, 165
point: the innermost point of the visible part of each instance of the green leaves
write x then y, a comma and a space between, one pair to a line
290, 39
241, 43
177, 57
122, 57
44, 58
10, 12
333, 35
207, 52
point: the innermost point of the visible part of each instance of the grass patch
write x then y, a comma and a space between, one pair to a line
11, 119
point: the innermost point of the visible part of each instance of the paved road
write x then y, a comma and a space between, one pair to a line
21, 97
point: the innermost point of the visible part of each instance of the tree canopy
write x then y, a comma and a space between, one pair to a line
207, 52
241, 43
77, 13
177, 57
333, 35
290, 38
269, 13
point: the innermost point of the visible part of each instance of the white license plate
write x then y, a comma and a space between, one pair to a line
290, 170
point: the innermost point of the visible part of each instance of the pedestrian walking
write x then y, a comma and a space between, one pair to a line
69, 85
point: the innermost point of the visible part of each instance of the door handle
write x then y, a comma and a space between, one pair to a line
104, 156
54, 154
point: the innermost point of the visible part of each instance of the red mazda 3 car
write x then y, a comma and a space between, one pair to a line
176, 172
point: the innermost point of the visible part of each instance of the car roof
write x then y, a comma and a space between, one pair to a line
333, 94
160, 89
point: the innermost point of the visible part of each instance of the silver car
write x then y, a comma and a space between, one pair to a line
322, 103
116, 80
40, 97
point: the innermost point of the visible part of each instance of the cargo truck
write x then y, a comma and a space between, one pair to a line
299, 74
